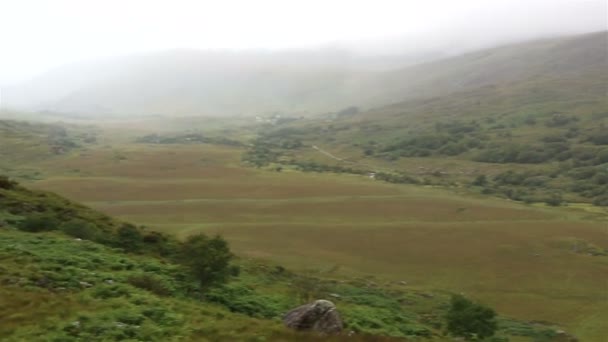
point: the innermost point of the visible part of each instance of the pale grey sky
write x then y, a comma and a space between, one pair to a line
36, 35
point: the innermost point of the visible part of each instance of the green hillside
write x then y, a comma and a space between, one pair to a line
71, 274
25, 143
556, 58
537, 132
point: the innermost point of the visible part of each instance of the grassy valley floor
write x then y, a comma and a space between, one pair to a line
529, 262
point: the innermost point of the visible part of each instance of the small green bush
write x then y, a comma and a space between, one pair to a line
129, 238
39, 222
470, 320
152, 283
80, 229
238, 298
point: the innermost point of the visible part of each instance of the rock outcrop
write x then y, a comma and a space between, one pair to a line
320, 316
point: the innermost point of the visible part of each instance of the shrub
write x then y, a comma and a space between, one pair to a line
160, 243
129, 238
480, 180
600, 137
554, 199
6, 183
79, 229
246, 301
470, 320
602, 157
152, 283
601, 201
39, 222
453, 149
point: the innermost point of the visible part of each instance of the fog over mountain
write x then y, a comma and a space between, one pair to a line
299, 59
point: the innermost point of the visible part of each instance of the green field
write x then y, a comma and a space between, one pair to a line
529, 262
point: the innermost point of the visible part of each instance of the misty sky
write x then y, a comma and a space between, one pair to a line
39, 35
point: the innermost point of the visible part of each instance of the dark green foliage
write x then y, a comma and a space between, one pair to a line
516, 154
80, 229
317, 167
396, 178
129, 238
480, 180
554, 199
516, 328
39, 222
373, 320
207, 258
6, 183
160, 244
510, 178
559, 120
150, 282
260, 154
187, 138
601, 200
554, 138
470, 320
599, 137
238, 298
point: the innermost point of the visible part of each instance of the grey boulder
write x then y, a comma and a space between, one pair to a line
320, 316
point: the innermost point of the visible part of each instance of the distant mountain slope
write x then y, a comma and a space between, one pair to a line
565, 58
195, 82
538, 126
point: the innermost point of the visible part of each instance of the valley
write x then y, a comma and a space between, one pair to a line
521, 259
191, 195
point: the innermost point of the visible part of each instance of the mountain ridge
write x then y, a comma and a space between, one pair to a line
194, 83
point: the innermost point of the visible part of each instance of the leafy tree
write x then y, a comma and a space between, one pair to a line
470, 320
208, 259
129, 238
162, 244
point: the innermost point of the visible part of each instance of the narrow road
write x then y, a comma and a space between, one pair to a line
366, 166
331, 155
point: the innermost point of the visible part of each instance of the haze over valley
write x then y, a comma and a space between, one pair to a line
319, 171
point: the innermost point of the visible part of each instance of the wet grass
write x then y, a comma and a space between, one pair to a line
501, 252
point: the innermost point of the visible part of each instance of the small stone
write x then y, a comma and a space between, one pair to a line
85, 284
335, 295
